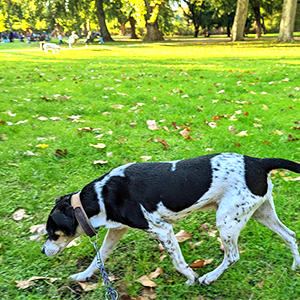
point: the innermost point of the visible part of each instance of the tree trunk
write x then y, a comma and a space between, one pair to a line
132, 22
287, 21
153, 34
196, 33
256, 9
9, 4
240, 20
123, 31
101, 20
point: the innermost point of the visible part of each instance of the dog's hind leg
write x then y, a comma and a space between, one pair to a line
230, 219
267, 216
110, 241
166, 236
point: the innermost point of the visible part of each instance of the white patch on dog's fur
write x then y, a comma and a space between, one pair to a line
100, 220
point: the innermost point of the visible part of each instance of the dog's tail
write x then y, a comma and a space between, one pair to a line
279, 163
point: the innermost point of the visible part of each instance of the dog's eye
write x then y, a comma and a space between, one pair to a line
53, 237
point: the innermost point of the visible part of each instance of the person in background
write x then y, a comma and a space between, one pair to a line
11, 36
100, 38
60, 38
72, 39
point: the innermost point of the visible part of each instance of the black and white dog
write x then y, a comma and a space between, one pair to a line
151, 196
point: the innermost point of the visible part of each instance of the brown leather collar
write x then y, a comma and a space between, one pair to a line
81, 216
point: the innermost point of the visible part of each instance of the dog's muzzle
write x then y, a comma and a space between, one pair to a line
50, 248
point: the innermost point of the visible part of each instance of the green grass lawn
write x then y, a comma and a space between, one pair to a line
229, 97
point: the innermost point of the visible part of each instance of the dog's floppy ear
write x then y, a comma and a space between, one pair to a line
64, 219
65, 197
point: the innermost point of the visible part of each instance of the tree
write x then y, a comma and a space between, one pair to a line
287, 21
240, 20
255, 5
225, 11
201, 14
151, 17
101, 20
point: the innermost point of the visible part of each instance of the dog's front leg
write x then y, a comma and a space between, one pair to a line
111, 239
166, 236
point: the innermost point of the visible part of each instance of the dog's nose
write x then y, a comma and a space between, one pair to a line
43, 250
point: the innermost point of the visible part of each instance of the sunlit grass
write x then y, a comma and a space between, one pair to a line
116, 88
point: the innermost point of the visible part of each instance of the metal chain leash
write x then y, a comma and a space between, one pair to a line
110, 292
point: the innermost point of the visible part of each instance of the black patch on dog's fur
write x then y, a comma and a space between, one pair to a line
120, 206
151, 183
255, 176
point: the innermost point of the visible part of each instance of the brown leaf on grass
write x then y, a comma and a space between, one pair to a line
60, 152
98, 146
175, 126
117, 106
162, 142
278, 132
145, 158
87, 286
148, 293
212, 233
182, 236
39, 229
19, 214
185, 132
260, 284
231, 129
193, 245
24, 284
100, 162
146, 281
162, 257
155, 273
265, 107
152, 125
200, 263
86, 129
242, 133
221, 244
292, 139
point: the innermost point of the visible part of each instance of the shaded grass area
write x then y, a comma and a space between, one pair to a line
206, 88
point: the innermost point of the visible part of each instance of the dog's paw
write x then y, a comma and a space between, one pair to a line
296, 265
82, 276
206, 279
190, 282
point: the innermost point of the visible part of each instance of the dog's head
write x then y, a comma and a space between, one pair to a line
62, 226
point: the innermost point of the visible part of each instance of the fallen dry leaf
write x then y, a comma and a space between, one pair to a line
87, 286
265, 107
149, 293
59, 152
24, 284
278, 132
39, 229
146, 281
200, 263
98, 146
242, 133
182, 236
156, 273
19, 214
145, 158
152, 125
162, 142
117, 106
100, 162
